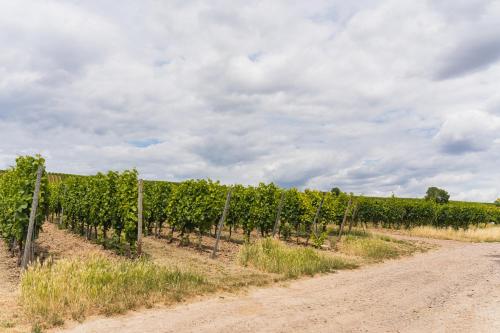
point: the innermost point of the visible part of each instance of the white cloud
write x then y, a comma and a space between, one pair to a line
373, 96
470, 131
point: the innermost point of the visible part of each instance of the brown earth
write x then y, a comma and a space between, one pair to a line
455, 288
9, 277
59, 244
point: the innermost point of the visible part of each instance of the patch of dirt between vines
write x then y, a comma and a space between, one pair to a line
223, 271
59, 243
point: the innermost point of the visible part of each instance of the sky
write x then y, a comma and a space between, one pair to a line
374, 97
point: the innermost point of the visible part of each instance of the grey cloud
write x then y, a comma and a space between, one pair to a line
467, 132
470, 56
298, 171
298, 178
227, 151
460, 10
461, 146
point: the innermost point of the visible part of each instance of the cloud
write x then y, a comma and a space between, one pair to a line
471, 131
311, 94
475, 45
470, 56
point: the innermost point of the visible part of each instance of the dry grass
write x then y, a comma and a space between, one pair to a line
272, 256
78, 287
487, 234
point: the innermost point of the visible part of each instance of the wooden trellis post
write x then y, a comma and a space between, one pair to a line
29, 237
221, 222
344, 219
315, 221
60, 221
353, 217
278, 215
139, 217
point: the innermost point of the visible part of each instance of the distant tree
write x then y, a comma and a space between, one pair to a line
335, 191
437, 194
497, 202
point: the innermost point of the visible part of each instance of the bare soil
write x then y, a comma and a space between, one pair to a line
58, 244
9, 277
223, 271
455, 288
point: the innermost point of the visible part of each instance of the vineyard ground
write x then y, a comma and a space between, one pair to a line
9, 277
454, 288
226, 275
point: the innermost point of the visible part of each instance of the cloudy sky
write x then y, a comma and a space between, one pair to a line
375, 97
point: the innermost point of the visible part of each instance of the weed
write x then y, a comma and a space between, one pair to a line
318, 240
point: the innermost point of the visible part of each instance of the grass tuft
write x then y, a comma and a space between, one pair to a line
376, 247
77, 288
274, 257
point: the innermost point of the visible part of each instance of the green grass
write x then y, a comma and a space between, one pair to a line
77, 288
376, 247
274, 257
358, 232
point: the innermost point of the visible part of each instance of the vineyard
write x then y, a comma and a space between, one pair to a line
108, 214
104, 208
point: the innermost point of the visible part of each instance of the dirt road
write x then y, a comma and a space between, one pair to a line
9, 277
453, 289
